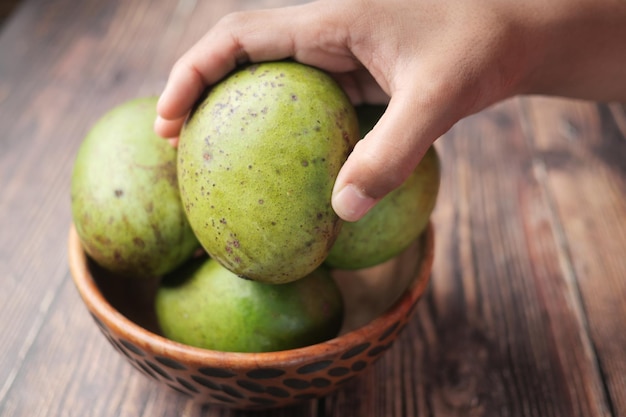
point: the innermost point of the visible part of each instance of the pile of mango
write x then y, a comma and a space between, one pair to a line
236, 223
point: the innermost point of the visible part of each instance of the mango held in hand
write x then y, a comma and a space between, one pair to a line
125, 200
257, 161
396, 221
205, 305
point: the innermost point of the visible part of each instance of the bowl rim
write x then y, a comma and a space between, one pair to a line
116, 322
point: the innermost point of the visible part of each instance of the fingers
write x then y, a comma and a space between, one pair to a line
236, 38
387, 155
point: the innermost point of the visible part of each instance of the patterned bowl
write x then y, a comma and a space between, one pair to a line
379, 301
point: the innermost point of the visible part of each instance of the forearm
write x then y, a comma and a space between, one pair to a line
579, 49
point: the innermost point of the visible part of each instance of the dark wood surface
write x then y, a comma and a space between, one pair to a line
526, 311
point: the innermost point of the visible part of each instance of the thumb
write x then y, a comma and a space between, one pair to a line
388, 154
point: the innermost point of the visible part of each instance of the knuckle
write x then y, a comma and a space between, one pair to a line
185, 69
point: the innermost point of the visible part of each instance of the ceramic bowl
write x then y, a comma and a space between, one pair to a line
379, 301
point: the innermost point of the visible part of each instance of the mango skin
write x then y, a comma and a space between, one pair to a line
125, 200
257, 161
393, 224
205, 305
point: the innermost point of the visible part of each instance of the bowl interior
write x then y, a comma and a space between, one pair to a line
367, 293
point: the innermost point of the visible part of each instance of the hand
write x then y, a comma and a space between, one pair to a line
434, 61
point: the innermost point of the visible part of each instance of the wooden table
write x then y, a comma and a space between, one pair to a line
526, 311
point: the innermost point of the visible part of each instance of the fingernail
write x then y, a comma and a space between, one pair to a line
350, 203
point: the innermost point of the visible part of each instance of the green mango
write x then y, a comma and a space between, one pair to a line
205, 305
124, 195
396, 221
257, 161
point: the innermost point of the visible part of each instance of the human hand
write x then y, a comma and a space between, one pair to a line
434, 62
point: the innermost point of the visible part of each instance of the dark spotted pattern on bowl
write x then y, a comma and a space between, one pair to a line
245, 380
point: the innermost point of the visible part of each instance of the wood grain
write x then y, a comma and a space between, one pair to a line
582, 156
524, 315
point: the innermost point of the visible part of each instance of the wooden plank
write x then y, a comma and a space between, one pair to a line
583, 153
500, 333
523, 317
518, 326
47, 111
